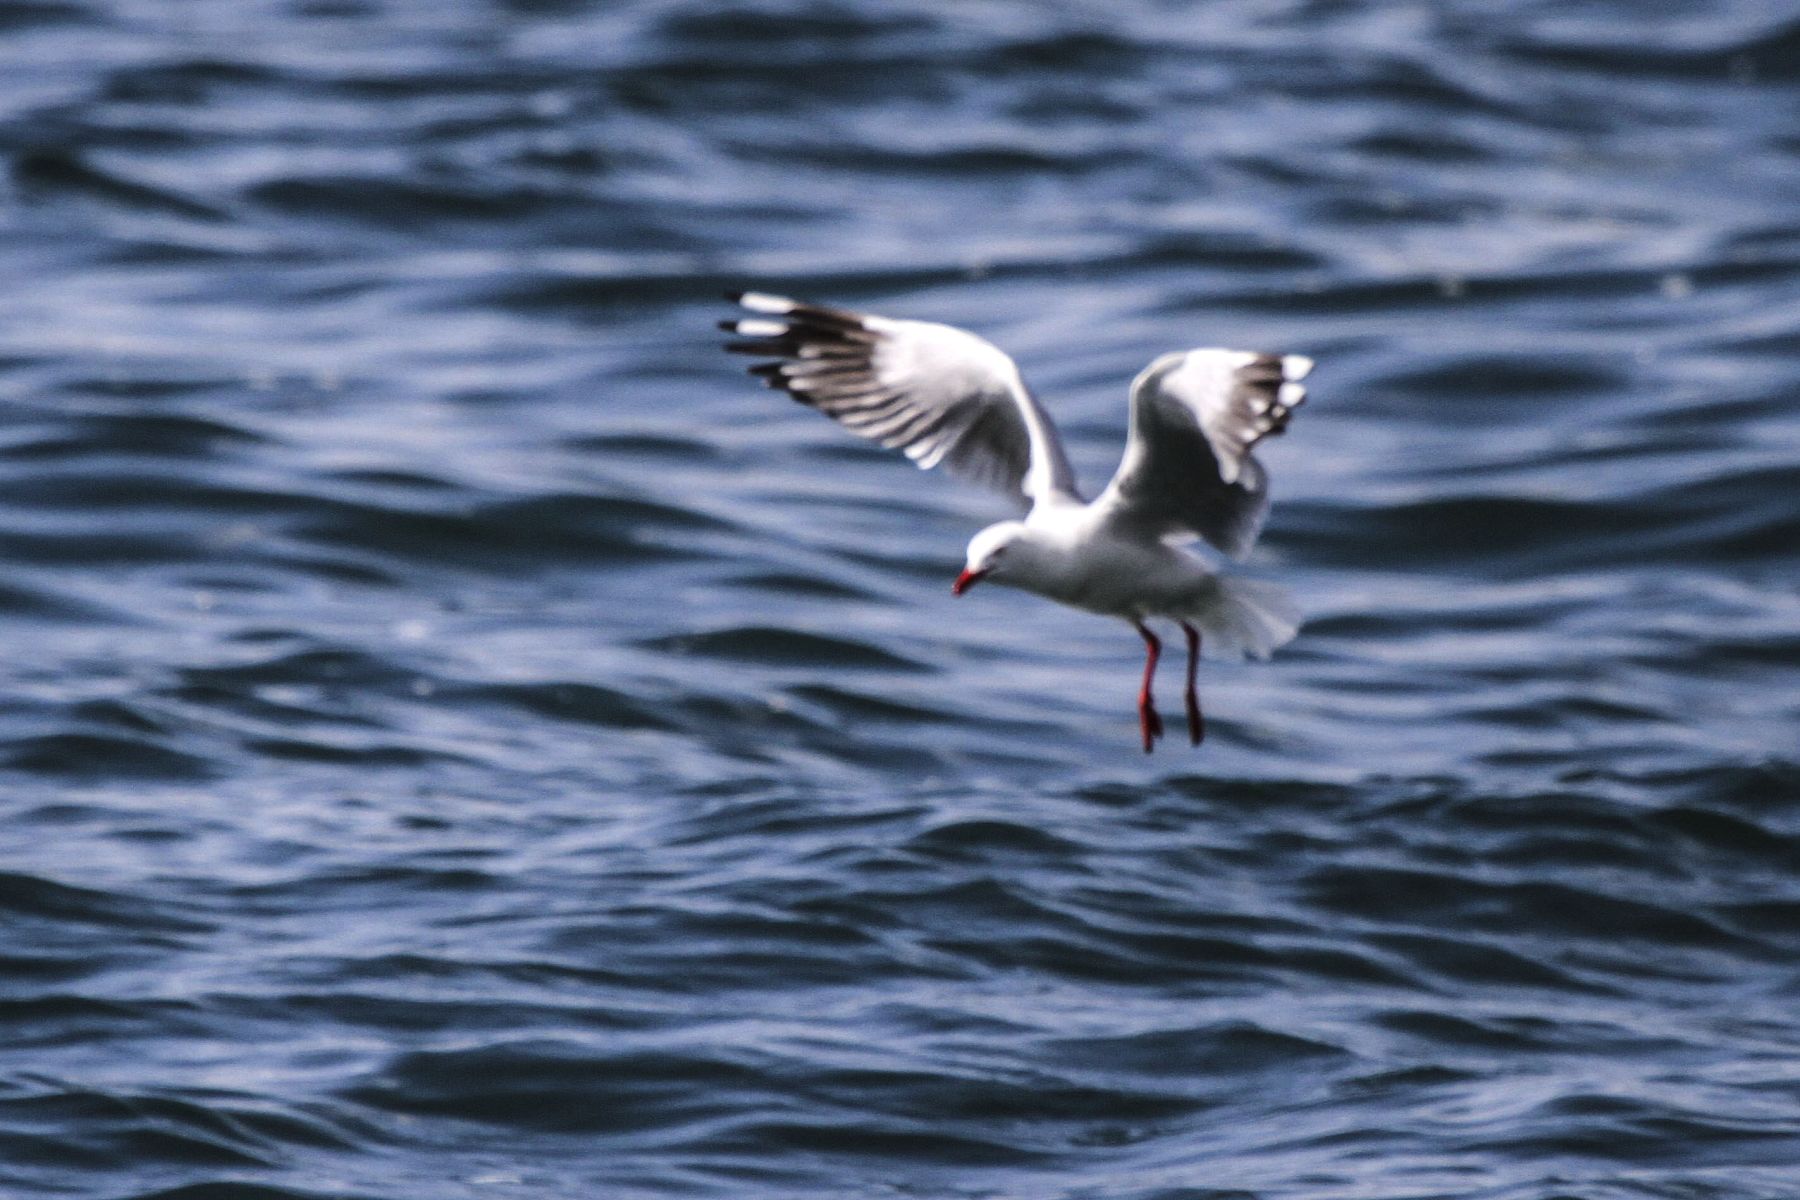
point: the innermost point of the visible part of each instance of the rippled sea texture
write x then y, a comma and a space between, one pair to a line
461, 739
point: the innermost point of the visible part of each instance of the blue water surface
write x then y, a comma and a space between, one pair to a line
460, 738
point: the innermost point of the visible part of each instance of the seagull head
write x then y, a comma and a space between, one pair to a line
994, 553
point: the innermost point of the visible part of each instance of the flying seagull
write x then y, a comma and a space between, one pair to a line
948, 398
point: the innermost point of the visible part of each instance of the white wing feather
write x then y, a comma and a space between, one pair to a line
1188, 469
939, 394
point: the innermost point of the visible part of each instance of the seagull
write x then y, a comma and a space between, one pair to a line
947, 398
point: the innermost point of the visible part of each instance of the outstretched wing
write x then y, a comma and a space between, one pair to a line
1187, 468
940, 394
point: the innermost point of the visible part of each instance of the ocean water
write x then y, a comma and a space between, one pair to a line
460, 738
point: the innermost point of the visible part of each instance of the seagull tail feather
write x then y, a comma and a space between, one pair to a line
1244, 616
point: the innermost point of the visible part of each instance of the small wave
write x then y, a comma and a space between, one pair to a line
1562, 911
865, 1139
1770, 53
98, 756
1205, 1055
239, 1189
774, 646
163, 435
978, 840
24, 602
34, 14
1478, 962
849, 705
580, 703
317, 750
562, 1086
31, 897
502, 535
46, 175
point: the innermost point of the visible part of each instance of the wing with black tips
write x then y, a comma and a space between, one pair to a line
939, 394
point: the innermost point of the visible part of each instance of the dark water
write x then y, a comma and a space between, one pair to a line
461, 739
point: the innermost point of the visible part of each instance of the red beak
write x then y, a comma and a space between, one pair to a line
965, 581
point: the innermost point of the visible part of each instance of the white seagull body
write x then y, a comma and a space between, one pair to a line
948, 398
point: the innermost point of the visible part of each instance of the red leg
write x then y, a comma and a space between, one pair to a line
1196, 722
1148, 721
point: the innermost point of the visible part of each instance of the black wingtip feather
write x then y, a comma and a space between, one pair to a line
825, 315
